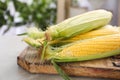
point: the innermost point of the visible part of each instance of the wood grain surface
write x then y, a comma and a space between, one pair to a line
101, 68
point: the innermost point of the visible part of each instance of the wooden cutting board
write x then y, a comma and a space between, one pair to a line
101, 68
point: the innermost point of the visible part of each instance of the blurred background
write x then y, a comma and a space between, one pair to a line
18, 15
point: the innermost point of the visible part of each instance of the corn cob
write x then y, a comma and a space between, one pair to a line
93, 48
80, 24
106, 30
75, 25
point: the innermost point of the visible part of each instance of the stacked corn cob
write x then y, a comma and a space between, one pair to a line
84, 37
93, 48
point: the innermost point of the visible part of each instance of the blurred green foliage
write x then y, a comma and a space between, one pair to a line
3, 7
38, 12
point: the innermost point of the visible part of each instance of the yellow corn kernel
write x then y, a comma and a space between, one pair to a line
92, 46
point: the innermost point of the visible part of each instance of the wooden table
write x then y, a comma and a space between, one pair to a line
10, 48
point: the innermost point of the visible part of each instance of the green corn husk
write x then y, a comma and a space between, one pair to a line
35, 33
80, 24
60, 71
32, 42
73, 26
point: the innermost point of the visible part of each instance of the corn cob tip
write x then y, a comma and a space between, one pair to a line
35, 33
32, 42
